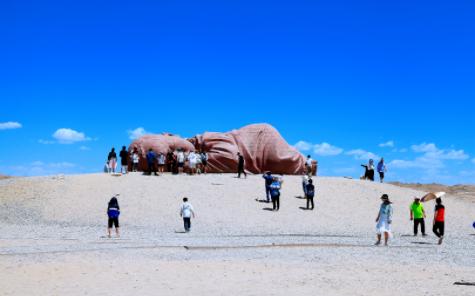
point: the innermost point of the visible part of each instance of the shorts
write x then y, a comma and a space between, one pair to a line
181, 164
192, 165
161, 164
204, 162
113, 221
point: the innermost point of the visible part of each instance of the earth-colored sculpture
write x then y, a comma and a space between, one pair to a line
262, 146
158, 143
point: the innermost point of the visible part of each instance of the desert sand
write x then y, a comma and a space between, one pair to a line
52, 239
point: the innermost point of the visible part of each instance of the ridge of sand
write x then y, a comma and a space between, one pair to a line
52, 228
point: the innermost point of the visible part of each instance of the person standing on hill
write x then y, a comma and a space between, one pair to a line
192, 162
439, 220
161, 162
151, 156
112, 159
417, 214
268, 181
275, 193
381, 169
180, 156
135, 160
170, 161
204, 161
113, 212
384, 220
124, 157
241, 166
308, 165
309, 194
186, 212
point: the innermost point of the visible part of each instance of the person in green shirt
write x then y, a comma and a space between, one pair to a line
417, 215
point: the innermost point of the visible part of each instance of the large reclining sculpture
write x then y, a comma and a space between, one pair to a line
261, 145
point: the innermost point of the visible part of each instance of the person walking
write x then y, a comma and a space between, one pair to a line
305, 179
275, 193
124, 157
241, 166
309, 194
417, 215
268, 181
112, 159
151, 156
113, 212
384, 220
186, 212
439, 220
135, 160
381, 169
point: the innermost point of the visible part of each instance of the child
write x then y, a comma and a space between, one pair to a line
113, 212
384, 220
186, 212
439, 220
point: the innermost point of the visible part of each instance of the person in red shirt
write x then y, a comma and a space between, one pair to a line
439, 220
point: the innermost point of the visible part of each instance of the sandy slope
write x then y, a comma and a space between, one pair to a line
51, 228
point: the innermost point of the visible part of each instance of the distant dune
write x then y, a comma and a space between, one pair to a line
463, 191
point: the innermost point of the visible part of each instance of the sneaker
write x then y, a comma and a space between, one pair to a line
377, 243
440, 240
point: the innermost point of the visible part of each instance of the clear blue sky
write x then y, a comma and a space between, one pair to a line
352, 74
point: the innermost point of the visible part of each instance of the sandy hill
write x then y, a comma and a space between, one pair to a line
54, 225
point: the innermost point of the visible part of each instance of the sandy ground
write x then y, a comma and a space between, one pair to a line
52, 239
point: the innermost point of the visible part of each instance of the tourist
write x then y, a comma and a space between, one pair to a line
308, 165
241, 167
113, 212
305, 179
151, 156
309, 194
275, 193
124, 155
161, 162
198, 163
439, 220
417, 214
384, 220
170, 157
135, 160
186, 212
204, 161
268, 181
381, 169
181, 160
112, 159
192, 162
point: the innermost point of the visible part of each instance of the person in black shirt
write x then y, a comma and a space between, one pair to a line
310, 193
241, 166
170, 161
124, 156
112, 160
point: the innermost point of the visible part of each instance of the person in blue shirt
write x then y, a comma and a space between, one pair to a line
113, 212
275, 193
268, 181
151, 161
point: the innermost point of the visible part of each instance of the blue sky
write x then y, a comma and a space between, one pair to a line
339, 78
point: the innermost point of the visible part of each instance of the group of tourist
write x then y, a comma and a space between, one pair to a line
417, 215
369, 170
176, 162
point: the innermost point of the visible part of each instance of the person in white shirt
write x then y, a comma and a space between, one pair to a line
186, 212
198, 162
308, 165
180, 157
135, 160
161, 162
192, 162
